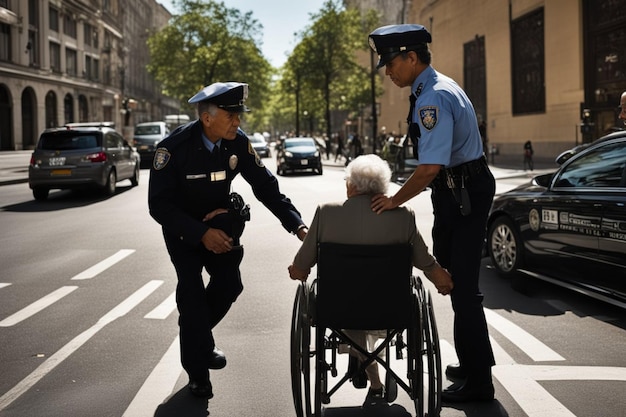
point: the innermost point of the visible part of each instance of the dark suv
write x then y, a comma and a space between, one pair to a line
82, 155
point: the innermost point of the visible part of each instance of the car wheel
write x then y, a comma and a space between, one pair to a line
134, 180
110, 186
504, 245
40, 193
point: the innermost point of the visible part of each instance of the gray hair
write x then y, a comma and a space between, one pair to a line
369, 174
205, 106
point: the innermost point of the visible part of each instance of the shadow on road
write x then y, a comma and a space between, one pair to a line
183, 403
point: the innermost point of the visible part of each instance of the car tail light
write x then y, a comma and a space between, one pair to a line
96, 157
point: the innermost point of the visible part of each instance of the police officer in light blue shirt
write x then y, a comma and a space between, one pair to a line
446, 141
190, 197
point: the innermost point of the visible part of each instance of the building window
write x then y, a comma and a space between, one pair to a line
69, 25
32, 48
4, 3
5, 42
528, 66
90, 35
51, 109
55, 57
54, 19
70, 61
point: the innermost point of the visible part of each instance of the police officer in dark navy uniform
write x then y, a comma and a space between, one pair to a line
190, 196
448, 147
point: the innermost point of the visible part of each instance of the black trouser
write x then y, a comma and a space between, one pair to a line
200, 308
457, 244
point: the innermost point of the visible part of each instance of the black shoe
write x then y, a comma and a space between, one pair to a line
455, 371
375, 396
358, 378
469, 392
217, 360
201, 389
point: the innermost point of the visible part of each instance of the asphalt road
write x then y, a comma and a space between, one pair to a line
88, 324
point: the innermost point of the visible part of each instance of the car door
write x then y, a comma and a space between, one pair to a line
591, 210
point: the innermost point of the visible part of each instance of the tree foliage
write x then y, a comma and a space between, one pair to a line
322, 72
206, 43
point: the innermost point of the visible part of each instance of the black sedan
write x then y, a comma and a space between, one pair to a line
569, 227
298, 154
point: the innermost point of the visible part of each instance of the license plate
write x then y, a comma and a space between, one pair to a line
305, 162
58, 172
56, 161
144, 147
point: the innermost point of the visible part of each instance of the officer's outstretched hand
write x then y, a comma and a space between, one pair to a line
217, 241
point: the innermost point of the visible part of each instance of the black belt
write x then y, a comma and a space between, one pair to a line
465, 170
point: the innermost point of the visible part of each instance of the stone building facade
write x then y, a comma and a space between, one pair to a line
65, 61
531, 67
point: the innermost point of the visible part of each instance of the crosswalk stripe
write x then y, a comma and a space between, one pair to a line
163, 310
120, 310
532, 346
159, 385
103, 265
37, 306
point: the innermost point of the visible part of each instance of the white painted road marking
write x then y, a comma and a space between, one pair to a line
163, 310
101, 266
120, 310
159, 384
37, 306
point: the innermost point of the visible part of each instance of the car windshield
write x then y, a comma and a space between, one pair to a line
68, 141
148, 130
256, 139
299, 142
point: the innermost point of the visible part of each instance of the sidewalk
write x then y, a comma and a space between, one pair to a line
14, 166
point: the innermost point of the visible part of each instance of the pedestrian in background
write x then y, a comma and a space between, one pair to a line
528, 155
189, 196
339, 151
449, 152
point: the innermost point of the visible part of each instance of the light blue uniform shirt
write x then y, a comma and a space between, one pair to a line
447, 121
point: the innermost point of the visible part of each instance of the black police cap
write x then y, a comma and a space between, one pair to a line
229, 96
390, 41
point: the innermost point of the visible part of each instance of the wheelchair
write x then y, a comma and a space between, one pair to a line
350, 280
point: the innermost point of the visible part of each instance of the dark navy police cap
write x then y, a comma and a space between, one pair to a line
229, 96
390, 41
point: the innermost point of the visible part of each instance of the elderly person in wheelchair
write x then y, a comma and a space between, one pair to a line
353, 222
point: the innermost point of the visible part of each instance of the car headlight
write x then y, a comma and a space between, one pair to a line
316, 154
288, 154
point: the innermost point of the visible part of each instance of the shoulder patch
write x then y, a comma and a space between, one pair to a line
257, 158
428, 116
161, 158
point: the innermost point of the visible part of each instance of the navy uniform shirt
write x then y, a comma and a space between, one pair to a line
447, 122
187, 182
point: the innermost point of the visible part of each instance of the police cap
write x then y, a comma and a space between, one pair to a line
229, 96
390, 41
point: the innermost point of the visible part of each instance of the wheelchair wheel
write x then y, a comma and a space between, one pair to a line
415, 352
432, 357
301, 354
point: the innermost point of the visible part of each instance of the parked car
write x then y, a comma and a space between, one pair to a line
568, 227
260, 145
298, 154
146, 137
82, 155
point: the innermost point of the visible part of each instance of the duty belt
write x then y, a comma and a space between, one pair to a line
456, 178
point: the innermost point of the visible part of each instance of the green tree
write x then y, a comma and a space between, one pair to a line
206, 43
322, 73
